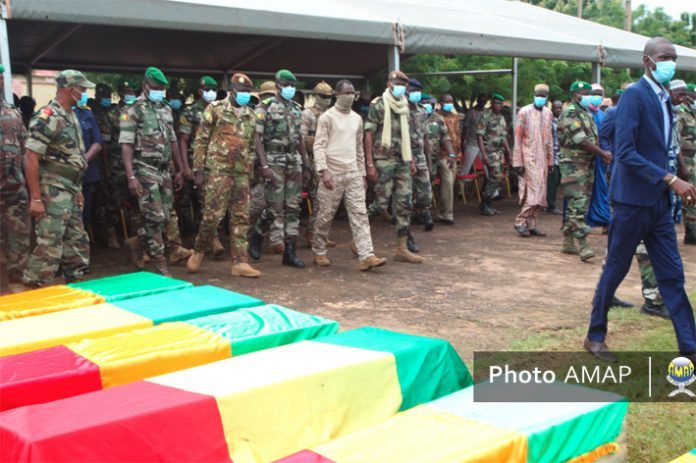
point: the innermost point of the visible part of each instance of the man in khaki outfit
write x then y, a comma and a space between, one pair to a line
340, 161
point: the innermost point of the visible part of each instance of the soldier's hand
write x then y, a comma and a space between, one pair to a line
327, 179
686, 191
412, 168
135, 188
80, 198
267, 175
178, 181
188, 174
451, 162
607, 157
199, 180
485, 160
37, 208
371, 174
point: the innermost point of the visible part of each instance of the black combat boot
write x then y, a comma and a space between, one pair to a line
255, 243
289, 257
411, 243
690, 233
428, 221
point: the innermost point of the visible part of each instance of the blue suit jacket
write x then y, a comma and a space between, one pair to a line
606, 130
640, 160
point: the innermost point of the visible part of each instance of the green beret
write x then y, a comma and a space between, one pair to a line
497, 96
2, 68
620, 91
207, 81
580, 85
425, 97
285, 75
156, 75
691, 87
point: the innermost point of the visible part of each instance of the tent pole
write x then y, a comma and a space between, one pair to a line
393, 58
596, 73
514, 90
5, 54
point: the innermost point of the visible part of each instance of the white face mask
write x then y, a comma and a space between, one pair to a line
209, 95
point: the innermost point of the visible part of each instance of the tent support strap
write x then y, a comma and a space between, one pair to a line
393, 58
596, 73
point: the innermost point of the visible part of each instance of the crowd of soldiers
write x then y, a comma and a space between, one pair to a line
163, 167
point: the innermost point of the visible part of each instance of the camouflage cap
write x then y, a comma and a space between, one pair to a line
243, 79
580, 85
285, 75
72, 78
103, 89
398, 76
154, 74
322, 88
207, 81
267, 88
497, 96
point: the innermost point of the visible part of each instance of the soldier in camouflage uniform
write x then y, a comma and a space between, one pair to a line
577, 135
14, 200
148, 145
278, 140
687, 131
492, 134
224, 151
54, 167
441, 146
390, 163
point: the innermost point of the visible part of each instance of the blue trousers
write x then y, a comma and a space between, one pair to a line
653, 225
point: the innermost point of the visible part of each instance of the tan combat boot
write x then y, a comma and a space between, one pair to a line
178, 254
112, 239
402, 253
569, 245
194, 262
585, 252
245, 270
322, 261
371, 262
218, 248
136, 251
278, 248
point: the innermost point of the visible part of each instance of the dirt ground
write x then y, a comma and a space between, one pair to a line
482, 287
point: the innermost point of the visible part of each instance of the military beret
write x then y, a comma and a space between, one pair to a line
580, 85
425, 97
322, 88
620, 91
2, 68
285, 75
267, 88
124, 85
154, 74
71, 78
399, 76
207, 81
497, 96
242, 79
691, 87
103, 88
415, 83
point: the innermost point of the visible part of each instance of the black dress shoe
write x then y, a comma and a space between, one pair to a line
536, 232
616, 302
600, 350
656, 310
428, 221
522, 231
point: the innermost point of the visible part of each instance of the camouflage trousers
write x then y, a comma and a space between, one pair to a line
257, 209
189, 205
61, 240
349, 186
648, 281
155, 206
393, 174
495, 174
283, 196
446, 202
223, 193
119, 198
422, 189
15, 231
690, 161
577, 177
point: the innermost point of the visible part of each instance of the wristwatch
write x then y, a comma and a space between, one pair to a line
451, 156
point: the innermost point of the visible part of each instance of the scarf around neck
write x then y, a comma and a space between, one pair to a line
399, 107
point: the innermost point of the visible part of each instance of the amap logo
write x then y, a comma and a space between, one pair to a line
681, 374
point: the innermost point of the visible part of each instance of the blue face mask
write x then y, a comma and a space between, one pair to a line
242, 98
596, 100
448, 107
105, 102
175, 104
155, 95
287, 92
428, 107
398, 91
586, 101
129, 99
414, 97
209, 95
540, 101
83, 100
664, 71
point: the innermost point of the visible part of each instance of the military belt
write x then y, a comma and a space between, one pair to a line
63, 171
278, 148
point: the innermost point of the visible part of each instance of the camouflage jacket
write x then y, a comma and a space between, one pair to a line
56, 136
438, 135
279, 123
115, 160
190, 117
418, 128
225, 139
375, 123
493, 128
575, 125
103, 117
150, 128
687, 130
308, 127
13, 135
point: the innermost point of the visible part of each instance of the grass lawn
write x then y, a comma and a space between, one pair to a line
655, 432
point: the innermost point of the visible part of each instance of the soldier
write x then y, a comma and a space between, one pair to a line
54, 166
224, 150
492, 133
441, 146
687, 131
577, 135
390, 163
14, 200
148, 145
284, 170
322, 94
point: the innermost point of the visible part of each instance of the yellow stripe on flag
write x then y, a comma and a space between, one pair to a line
45, 300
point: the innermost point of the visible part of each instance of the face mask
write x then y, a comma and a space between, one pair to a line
129, 99
209, 95
414, 97
596, 100
105, 102
175, 104
242, 98
344, 102
287, 92
83, 100
586, 101
540, 101
428, 107
448, 107
664, 71
398, 91
322, 103
155, 95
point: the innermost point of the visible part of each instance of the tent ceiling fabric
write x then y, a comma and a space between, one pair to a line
341, 37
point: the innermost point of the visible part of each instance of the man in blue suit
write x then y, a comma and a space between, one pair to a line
639, 192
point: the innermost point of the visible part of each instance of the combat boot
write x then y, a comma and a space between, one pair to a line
486, 209
136, 251
585, 252
372, 262
569, 245
255, 243
179, 253
690, 233
289, 257
218, 248
411, 243
245, 270
160, 264
322, 261
194, 262
278, 248
428, 221
112, 239
402, 253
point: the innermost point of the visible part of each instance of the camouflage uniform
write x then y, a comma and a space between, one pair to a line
438, 135
422, 188
61, 239
14, 199
493, 128
278, 122
149, 127
190, 201
104, 217
224, 147
687, 130
392, 171
575, 126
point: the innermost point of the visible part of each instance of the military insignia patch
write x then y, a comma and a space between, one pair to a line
260, 116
